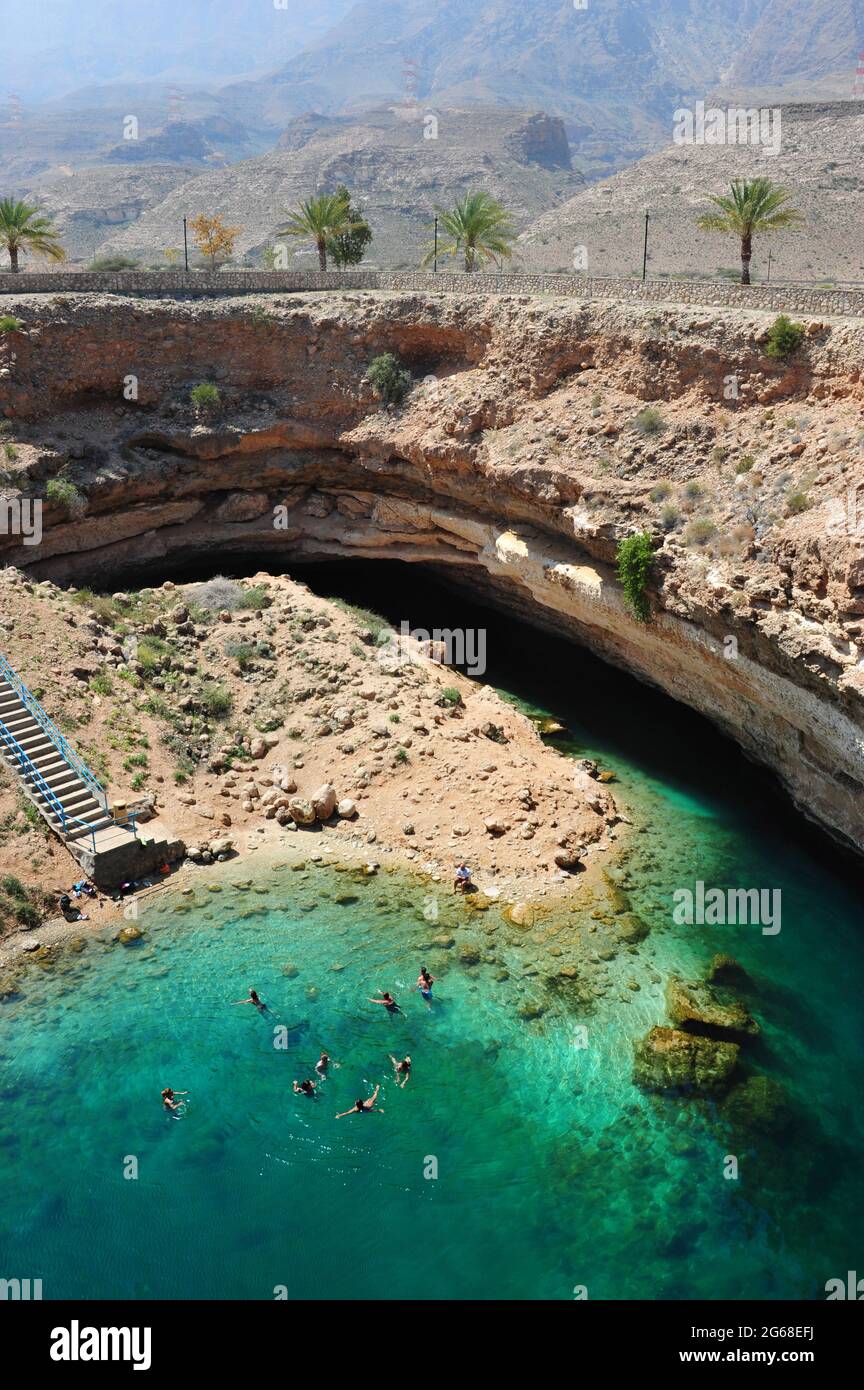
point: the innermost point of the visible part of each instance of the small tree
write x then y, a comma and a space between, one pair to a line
349, 246
322, 220
635, 556
24, 228
214, 240
750, 207
478, 228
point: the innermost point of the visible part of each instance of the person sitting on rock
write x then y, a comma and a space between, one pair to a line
462, 881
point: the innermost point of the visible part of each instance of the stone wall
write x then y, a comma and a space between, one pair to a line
798, 299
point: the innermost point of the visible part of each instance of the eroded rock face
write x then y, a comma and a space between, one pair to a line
696, 1009
667, 1059
520, 459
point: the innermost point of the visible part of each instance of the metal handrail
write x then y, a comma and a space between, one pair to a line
35, 709
29, 769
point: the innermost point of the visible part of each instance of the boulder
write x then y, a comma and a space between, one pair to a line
126, 935
324, 802
469, 955
302, 811
695, 1008
667, 1059
223, 845
346, 808
758, 1103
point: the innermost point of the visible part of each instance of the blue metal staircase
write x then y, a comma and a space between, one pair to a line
52, 775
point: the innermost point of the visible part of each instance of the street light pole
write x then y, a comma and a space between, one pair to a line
435, 261
185, 245
645, 250
769, 269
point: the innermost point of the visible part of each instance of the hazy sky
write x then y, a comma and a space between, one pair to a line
53, 46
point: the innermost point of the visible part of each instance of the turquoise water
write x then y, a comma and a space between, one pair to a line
553, 1170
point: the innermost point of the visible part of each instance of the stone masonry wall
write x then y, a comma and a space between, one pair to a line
796, 299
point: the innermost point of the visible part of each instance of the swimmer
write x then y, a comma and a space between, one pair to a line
254, 998
402, 1069
361, 1106
387, 1000
425, 981
323, 1063
305, 1088
169, 1100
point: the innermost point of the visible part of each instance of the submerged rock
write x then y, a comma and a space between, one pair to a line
126, 935
667, 1059
727, 968
695, 1008
759, 1103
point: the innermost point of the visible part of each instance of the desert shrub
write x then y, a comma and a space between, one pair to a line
9, 324
669, 517
660, 492
255, 598
241, 652
216, 594
700, 531
635, 556
450, 696
365, 618
796, 502
693, 491
784, 337
745, 463
216, 700
101, 684
649, 421
205, 396
65, 494
113, 263
401, 755
391, 380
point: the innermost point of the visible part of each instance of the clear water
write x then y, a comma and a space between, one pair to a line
554, 1171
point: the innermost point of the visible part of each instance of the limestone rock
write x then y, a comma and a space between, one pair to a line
694, 1008
667, 1059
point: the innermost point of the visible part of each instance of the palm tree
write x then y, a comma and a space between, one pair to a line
23, 227
757, 206
319, 219
478, 227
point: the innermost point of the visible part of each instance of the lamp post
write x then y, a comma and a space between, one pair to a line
768, 281
185, 245
645, 250
435, 260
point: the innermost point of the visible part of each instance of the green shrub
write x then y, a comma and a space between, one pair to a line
216, 700
649, 421
784, 337
365, 617
669, 517
693, 491
113, 263
660, 492
745, 463
65, 494
101, 684
256, 598
9, 324
450, 696
391, 380
700, 531
205, 396
635, 556
797, 502
401, 755
10, 451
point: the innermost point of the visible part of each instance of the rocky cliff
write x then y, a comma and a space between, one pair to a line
537, 434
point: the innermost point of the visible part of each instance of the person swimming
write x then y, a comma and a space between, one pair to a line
305, 1088
361, 1106
323, 1064
253, 998
403, 1070
425, 981
170, 1102
387, 1000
